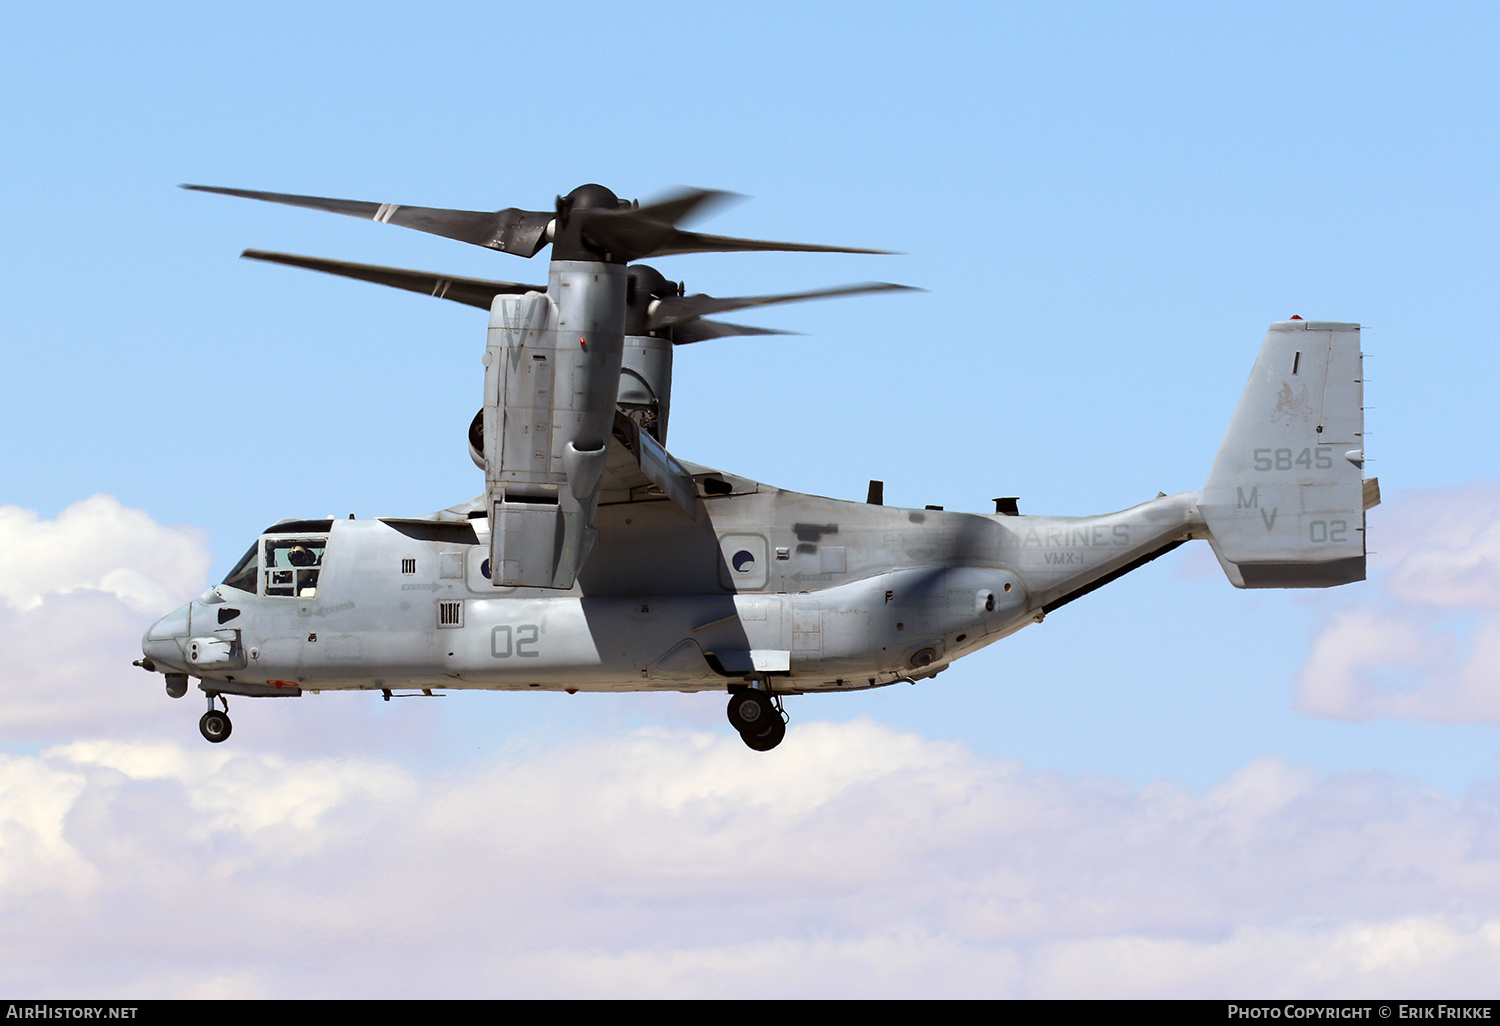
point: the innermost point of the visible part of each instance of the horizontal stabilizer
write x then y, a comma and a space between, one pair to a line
1284, 502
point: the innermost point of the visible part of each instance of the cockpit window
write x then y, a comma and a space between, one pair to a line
245, 571
293, 565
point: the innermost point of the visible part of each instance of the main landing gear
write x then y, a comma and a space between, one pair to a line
758, 717
215, 725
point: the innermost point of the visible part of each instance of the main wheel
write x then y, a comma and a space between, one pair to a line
769, 738
215, 726
750, 711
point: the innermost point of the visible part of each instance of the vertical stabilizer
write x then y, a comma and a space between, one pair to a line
1284, 502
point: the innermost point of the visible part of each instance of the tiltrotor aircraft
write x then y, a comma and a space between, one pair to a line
594, 560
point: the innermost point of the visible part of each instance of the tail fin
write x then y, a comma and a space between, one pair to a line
1285, 500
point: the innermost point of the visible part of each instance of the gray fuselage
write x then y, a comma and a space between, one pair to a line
798, 592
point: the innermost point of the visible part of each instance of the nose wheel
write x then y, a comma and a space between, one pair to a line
215, 725
758, 717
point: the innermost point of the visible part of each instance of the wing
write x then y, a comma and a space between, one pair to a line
638, 469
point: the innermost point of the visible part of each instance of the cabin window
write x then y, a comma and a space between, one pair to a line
744, 565
293, 565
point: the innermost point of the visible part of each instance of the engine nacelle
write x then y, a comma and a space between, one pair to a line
645, 391
646, 383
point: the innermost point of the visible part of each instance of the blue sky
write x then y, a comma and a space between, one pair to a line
1106, 205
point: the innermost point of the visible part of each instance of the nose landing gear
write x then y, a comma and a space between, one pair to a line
215, 725
758, 717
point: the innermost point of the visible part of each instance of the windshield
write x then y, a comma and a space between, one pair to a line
245, 571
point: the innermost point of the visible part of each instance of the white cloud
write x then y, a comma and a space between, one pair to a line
1419, 956
76, 594
1421, 639
1442, 548
36, 800
855, 860
99, 545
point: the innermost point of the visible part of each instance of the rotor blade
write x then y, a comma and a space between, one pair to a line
520, 232
694, 242
698, 331
471, 291
680, 206
633, 232
631, 236
674, 310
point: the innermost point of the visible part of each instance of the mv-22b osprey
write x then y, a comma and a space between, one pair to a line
596, 561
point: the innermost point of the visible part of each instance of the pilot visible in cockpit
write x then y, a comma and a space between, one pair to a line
307, 562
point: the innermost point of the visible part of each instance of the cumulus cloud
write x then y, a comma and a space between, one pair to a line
76, 594
855, 860
98, 545
1421, 639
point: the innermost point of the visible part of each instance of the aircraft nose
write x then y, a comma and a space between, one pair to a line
164, 641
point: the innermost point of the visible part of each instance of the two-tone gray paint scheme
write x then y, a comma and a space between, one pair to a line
730, 583
596, 561
800, 592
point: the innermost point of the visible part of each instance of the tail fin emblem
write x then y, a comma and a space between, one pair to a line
1291, 405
